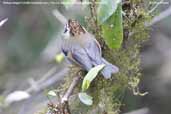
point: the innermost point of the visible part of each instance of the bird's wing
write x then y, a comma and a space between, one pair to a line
93, 51
98, 45
81, 57
77, 55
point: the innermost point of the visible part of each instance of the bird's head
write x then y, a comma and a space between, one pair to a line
73, 29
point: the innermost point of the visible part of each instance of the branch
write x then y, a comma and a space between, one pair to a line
160, 17
60, 17
144, 110
70, 89
44, 82
63, 106
156, 19
155, 7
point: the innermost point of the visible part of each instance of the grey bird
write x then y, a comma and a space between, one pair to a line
81, 47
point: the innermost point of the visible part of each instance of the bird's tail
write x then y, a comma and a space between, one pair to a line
109, 69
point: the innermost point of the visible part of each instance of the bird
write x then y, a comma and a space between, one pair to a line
81, 47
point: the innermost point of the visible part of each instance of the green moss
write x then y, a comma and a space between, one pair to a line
108, 95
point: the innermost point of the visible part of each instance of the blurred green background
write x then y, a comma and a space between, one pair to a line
29, 42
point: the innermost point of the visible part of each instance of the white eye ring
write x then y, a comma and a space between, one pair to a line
66, 33
65, 28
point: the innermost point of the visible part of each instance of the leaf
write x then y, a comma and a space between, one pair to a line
106, 9
86, 99
16, 96
68, 3
59, 57
52, 93
90, 76
2, 22
85, 85
112, 29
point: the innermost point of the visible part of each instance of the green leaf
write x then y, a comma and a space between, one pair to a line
59, 57
106, 9
85, 85
112, 29
52, 93
86, 99
90, 76
68, 3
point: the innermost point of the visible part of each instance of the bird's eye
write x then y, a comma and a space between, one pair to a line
65, 30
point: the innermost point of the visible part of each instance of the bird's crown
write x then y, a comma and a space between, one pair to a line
74, 27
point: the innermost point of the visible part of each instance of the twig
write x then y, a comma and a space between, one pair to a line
60, 17
63, 106
35, 85
155, 7
156, 19
160, 17
93, 12
70, 89
144, 110
44, 82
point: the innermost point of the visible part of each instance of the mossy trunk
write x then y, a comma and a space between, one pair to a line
108, 95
